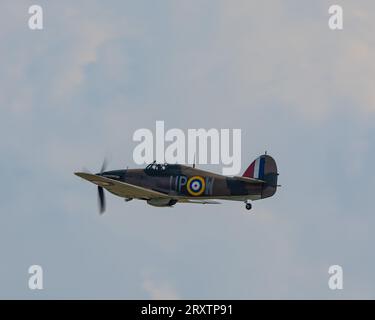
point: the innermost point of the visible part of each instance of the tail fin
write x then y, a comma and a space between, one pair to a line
264, 168
256, 169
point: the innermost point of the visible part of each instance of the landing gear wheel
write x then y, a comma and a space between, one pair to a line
248, 206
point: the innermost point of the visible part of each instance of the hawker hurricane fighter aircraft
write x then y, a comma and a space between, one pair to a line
163, 185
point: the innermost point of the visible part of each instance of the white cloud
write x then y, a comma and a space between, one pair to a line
274, 52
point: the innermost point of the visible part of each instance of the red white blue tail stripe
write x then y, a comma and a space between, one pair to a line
256, 169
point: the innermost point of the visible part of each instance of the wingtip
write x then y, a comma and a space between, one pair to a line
80, 174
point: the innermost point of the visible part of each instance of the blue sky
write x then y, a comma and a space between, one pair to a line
76, 91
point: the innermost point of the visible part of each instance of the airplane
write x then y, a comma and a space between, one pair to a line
164, 185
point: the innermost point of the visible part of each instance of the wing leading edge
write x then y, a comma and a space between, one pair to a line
121, 189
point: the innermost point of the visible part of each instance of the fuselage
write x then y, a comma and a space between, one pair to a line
179, 181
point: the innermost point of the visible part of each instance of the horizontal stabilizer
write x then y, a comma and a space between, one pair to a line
250, 180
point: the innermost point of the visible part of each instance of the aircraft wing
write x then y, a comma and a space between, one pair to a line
121, 189
199, 201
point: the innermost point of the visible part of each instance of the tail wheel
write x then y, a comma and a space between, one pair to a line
248, 205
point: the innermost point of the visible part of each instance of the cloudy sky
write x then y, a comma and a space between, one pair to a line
76, 91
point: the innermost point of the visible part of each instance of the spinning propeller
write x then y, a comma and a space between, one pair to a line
101, 196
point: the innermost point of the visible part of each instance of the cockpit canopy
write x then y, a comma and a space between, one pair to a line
162, 169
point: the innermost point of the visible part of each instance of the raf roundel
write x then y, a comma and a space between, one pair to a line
196, 185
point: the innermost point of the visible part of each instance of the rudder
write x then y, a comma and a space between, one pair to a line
264, 168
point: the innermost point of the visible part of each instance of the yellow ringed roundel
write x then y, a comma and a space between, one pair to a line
196, 185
